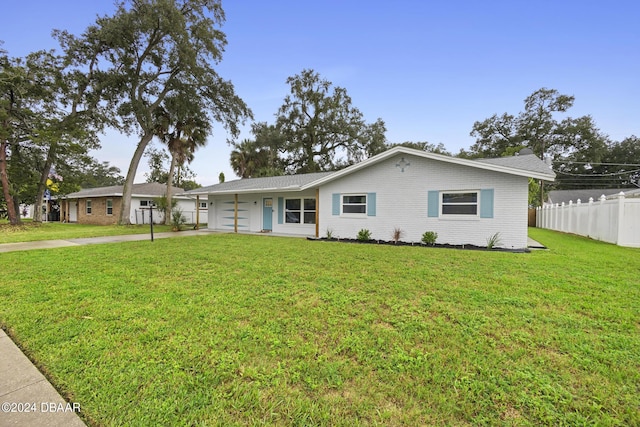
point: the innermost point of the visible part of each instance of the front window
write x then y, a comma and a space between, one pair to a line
298, 211
309, 211
460, 203
88, 207
109, 207
354, 204
292, 210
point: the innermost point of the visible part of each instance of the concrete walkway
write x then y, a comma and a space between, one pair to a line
532, 244
48, 244
26, 397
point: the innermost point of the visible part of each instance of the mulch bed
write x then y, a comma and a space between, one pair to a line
400, 243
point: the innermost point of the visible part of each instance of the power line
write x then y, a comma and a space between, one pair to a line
596, 163
597, 174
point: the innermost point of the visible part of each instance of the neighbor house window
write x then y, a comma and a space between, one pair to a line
298, 211
459, 203
144, 203
88, 206
354, 204
203, 205
109, 207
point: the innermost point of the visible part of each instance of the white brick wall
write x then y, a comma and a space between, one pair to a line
402, 202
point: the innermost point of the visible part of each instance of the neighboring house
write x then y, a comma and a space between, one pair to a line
565, 196
464, 201
102, 205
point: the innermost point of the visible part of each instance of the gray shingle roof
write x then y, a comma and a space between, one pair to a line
529, 162
283, 182
152, 189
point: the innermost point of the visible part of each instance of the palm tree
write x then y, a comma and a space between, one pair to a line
249, 160
241, 158
183, 134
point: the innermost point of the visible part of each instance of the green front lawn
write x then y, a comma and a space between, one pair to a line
252, 330
30, 231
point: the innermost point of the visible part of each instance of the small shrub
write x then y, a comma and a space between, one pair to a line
494, 241
364, 235
177, 219
397, 234
429, 237
329, 233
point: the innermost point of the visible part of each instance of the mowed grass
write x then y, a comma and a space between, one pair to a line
252, 330
30, 231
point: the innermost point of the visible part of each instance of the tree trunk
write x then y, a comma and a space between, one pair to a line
6, 189
16, 204
169, 196
125, 212
42, 184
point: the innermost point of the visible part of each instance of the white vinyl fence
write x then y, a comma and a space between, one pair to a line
143, 216
615, 219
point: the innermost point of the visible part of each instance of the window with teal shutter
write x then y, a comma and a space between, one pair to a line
371, 204
433, 204
486, 203
335, 204
280, 209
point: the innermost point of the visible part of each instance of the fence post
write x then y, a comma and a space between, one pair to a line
620, 222
589, 220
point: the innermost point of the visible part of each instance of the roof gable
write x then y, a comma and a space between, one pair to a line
527, 165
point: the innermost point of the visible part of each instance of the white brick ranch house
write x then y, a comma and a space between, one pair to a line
464, 201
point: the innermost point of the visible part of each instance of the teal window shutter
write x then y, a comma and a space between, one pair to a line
335, 204
433, 204
280, 209
486, 203
371, 204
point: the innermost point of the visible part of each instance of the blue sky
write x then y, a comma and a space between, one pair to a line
429, 69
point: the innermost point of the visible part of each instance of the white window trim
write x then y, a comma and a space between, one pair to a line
353, 214
302, 211
88, 205
443, 215
106, 207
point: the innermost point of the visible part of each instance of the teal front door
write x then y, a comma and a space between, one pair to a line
267, 214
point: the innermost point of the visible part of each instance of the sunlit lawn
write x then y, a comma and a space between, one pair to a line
252, 330
29, 231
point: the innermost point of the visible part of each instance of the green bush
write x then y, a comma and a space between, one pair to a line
177, 219
494, 241
364, 235
429, 237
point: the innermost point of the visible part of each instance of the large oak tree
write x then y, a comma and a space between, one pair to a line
152, 49
537, 127
321, 129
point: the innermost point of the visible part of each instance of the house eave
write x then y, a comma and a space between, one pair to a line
249, 191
